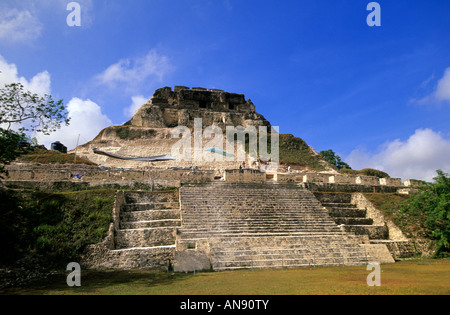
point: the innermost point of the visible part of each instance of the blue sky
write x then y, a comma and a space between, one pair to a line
378, 96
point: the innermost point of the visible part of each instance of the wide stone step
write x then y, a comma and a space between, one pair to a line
149, 215
287, 263
150, 197
373, 231
143, 257
264, 213
150, 206
211, 222
257, 223
225, 236
303, 239
353, 221
149, 237
251, 220
338, 205
263, 260
241, 230
289, 250
347, 212
150, 224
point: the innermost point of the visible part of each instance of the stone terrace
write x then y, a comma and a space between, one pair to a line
246, 225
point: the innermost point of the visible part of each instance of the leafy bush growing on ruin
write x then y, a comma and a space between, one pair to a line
432, 203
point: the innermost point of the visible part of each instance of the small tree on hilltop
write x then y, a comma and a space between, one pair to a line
334, 159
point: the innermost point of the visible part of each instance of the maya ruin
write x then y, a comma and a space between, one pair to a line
212, 213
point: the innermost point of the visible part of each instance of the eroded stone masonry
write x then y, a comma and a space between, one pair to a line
168, 109
214, 215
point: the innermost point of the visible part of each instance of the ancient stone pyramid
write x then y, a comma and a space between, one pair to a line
148, 132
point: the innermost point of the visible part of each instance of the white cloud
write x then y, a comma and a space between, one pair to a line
132, 73
137, 102
19, 26
87, 120
416, 158
443, 88
39, 84
441, 92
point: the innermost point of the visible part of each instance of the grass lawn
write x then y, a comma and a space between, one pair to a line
417, 277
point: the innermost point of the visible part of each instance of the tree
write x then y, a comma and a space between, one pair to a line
334, 159
433, 203
33, 112
9, 147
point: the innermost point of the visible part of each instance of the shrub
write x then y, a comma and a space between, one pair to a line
54, 227
433, 204
365, 172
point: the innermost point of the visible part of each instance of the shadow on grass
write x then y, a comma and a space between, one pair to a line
115, 282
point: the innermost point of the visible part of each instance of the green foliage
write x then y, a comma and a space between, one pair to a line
33, 112
334, 159
53, 226
295, 151
366, 172
374, 172
9, 147
432, 203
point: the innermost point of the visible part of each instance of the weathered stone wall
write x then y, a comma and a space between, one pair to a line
168, 109
349, 188
245, 176
377, 216
93, 174
142, 233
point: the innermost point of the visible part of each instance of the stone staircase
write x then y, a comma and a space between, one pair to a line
354, 219
244, 225
350, 217
144, 234
147, 220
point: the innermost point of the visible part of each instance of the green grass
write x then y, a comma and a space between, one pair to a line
295, 151
418, 277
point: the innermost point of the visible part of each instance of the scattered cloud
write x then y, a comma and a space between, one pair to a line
443, 88
87, 120
39, 84
19, 25
416, 158
136, 102
441, 92
132, 73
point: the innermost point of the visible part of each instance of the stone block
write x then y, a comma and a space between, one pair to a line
377, 253
190, 260
391, 181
